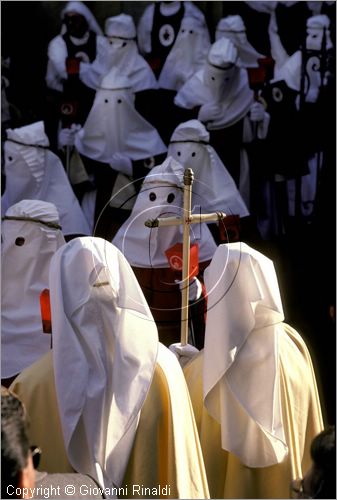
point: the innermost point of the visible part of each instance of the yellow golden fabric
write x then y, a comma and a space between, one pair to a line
35, 386
302, 420
159, 455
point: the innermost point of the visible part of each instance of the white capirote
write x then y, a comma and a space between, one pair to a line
241, 376
161, 195
114, 126
233, 28
221, 88
105, 346
89, 73
31, 234
213, 188
187, 55
123, 53
34, 172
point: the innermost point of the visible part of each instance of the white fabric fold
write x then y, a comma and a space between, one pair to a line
39, 176
221, 88
213, 188
27, 248
241, 354
114, 126
105, 346
123, 53
187, 55
161, 195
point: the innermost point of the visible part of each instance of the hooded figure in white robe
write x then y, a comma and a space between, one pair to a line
123, 54
161, 195
187, 55
120, 397
34, 172
213, 188
118, 147
77, 61
233, 28
31, 234
220, 90
173, 38
253, 386
120, 32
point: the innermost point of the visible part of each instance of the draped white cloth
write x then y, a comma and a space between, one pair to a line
221, 88
241, 386
27, 248
105, 346
122, 53
34, 172
161, 195
213, 187
187, 55
114, 126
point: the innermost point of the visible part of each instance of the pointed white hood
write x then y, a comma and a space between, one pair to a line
31, 234
34, 172
187, 55
123, 52
161, 195
221, 88
114, 126
213, 188
241, 354
105, 345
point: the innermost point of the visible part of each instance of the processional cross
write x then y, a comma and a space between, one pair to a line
185, 221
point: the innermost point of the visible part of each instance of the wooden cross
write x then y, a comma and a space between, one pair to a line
185, 221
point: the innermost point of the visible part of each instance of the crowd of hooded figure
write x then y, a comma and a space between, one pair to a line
91, 295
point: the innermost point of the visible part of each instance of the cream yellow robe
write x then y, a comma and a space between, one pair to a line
302, 420
166, 450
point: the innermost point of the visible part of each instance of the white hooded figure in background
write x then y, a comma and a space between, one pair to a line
213, 188
114, 127
187, 55
34, 172
123, 53
253, 386
161, 195
31, 234
222, 92
233, 28
121, 396
290, 69
116, 135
